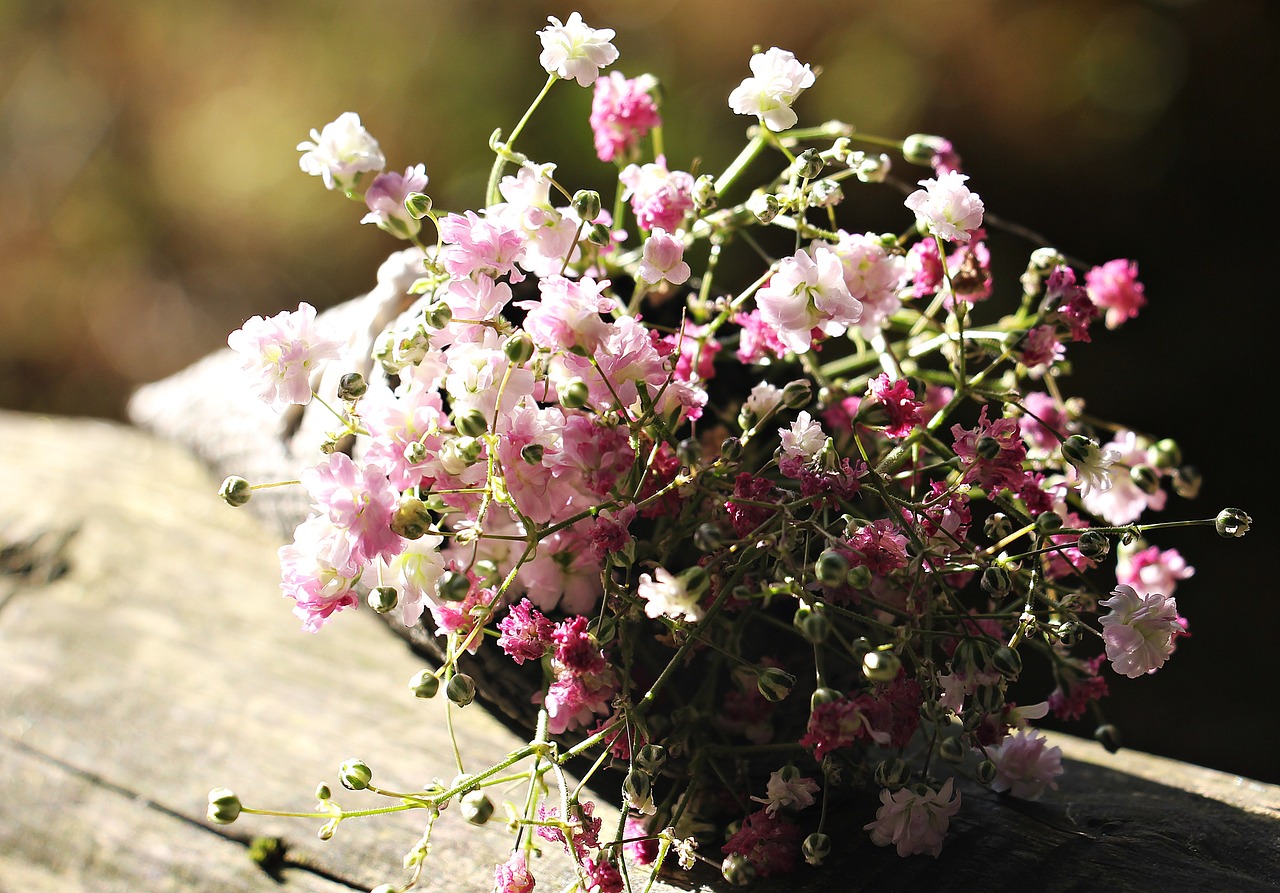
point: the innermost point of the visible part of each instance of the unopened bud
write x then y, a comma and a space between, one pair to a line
881, 666
355, 775
411, 518
986, 772
708, 537
738, 870
1145, 478
731, 449
322, 792
1007, 661
1049, 523
987, 447
453, 586
437, 316
424, 684
1077, 449
471, 422
383, 598
574, 394
831, 568
815, 626
816, 848
476, 807
823, 696
1093, 545
704, 193
637, 790
599, 235
650, 758
533, 453
519, 348
235, 491
689, 451
224, 806
1187, 481
418, 204
920, 148
892, 773
797, 394
765, 206
461, 689
1232, 523
774, 683
809, 164
996, 580
1108, 736
352, 386
997, 526
586, 204
1166, 454
859, 576
952, 749
415, 452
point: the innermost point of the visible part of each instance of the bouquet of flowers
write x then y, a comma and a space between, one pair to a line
755, 530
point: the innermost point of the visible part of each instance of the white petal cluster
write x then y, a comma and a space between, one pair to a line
777, 79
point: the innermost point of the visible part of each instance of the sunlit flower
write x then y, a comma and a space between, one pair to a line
341, 152
777, 79
575, 51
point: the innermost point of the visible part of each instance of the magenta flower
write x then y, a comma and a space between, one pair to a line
359, 502
914, 821
386, 197
622, 111
1114, 286
281, 353
659, 197
1139, 631
513, 876
663, 259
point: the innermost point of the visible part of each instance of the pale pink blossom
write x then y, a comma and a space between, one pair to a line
386, 196
659, 196
788, 789
309, 576
1025, 767
574, 50
564, 574
777, 80
513, 876
479, 246
914, 820
1139, 631
568, 315
1125, 501
873, 275
622, 111
946, 208
340, 152
808, 292
666, 594
663, 259
359, 501
1114, 286
413, 574
281, 354
1152, 569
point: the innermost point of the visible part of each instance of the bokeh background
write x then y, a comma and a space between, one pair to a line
150, 201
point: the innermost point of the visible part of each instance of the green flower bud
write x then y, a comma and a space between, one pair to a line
424, 684
859, 576
1049, 523
919, 148
586, 204
637, 790
1007, 661
351, 387
996, 580
439, 315
453, 586
970, 656
859, 647
892, 773
952, 749
533, 453
831, 568
1108, 736
765, 206
696, 580
224, 806
418, 204
461, 689
809, 164
708, 537
1232, 523
468, 448
773, 683
650, 758
1145, 478
815, 626
1077, 449
519, 348
689, 451
797, 394
322, 792
816, 848
383, 598
822, 696
731, 449
1094, 545
1187, 481
599, 235
575, 394
737, 870
411, 518
235, 491
415, 452
705, 197
476, 807
1166, 454
471, 422
986, 772
881, 666
355, 775
997, 526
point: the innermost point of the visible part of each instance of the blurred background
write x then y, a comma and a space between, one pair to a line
151, 200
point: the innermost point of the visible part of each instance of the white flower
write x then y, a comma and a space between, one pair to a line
1091, 462
763, 399
946, 208
665, 593
804, 440
778, 79
574, 50
788, 789
340, 152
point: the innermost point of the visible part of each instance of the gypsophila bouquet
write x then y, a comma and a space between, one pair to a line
757, 531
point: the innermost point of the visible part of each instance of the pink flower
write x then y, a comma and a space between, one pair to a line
1124, 502
659, 197
526, 633
899, 402
1151, 570
873, 275
513, 876
359, 502
999, 465
575, 51
386, 196
777, 80
602, 876
281, 353
478, 246
1114, 286
837, 724
663, 259
758, 341
1024, 766
622, 111
914, 821
768, 843
1139, 631
308, 576
946, 208
808, 292
568, 316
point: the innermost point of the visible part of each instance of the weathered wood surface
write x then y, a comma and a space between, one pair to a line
146, 656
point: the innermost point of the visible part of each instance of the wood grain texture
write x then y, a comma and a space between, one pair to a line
147, 656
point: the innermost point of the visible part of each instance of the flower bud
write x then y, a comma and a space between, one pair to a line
327, 829
952, 749
970, 656
586, 204
599, 235
996, 580
919, 148
476, 807
453, 586
1077, 449
1145, 478
731, 449
471, 422
1049, 523
859, 576
765, 206
868, 167
439, 315
1094, 545
892, 773
351, 387
415, 452
822, 696
355, 775
519, 348
1166, 454
831, 568
533, 453
411, 518
1108, 736
574, 394
689, 451
650, 758
816, 847
774, 683
418, 204
1007, 661
322, 792
383, 598
997, 526
881, 666
1232, 523
987, 447
235, 491
809, 164
797, 394
815, 626
637, 791
738, 870
1187, 481
986, 772
708, 537
424, 684
704, 193
224, 806
461, 689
